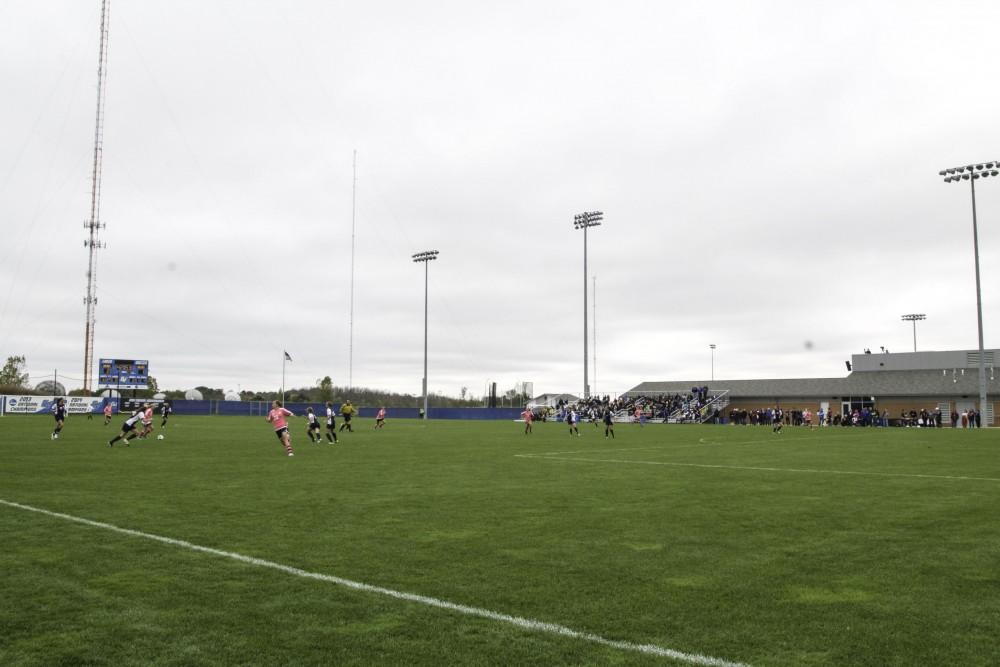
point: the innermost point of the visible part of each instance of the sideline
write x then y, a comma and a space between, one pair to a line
518, 621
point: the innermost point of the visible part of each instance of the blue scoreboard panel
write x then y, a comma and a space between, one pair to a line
123, 373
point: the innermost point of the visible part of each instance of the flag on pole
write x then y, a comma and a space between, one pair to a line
288, 357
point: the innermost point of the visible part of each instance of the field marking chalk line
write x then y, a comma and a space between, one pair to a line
517, 621
762, 468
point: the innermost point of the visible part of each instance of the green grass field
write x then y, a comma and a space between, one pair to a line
825, 547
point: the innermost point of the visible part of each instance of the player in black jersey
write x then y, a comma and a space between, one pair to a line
331, 423
59, 412
130, 425
609, 424
165, 410
312, 427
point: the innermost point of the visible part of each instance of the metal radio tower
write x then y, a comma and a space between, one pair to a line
93, 224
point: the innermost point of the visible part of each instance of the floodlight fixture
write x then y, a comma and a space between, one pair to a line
972, 173
425, 256
587, 219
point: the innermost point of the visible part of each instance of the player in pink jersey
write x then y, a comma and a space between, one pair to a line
147, 421
107, 411
380, 418
277, 418
528, 417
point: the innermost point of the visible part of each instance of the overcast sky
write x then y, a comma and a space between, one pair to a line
767, 172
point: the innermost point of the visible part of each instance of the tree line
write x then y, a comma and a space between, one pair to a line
13, 380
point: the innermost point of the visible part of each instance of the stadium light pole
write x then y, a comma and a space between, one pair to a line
973, 173
584, 221
712, 346
914, 317
425, 257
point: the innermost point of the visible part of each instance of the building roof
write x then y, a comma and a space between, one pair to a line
940, 382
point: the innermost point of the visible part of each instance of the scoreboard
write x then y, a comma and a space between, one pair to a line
123, 373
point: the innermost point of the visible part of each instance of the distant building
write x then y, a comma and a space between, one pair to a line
896, 382
551, 400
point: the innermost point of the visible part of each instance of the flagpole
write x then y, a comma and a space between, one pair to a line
284, 357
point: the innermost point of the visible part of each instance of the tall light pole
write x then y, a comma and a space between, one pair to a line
584, 221
425, 257
595, 332
712, 346
973, 173
914, 317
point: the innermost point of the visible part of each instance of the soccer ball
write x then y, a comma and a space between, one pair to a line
159, 437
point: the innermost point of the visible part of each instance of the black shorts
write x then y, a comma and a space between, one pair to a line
126, 427
281, 431
347, 418
330, 423
314, 426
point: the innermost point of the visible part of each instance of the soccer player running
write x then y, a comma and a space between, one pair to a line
59, 412
331, 423
380, 418
571, 420
130, 425
165, 410
529, 417
107, 411
778, 414
609, 424
147, 421
312, 427
277, 419
347, 411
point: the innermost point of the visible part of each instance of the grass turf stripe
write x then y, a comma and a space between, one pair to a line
720, 466
518, 621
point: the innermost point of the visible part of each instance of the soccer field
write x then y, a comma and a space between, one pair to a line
468, 543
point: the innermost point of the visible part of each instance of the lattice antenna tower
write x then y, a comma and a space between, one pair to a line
93, 225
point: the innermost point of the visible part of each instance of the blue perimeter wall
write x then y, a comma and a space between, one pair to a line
260, 409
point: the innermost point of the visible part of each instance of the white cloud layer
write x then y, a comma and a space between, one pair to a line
768, 174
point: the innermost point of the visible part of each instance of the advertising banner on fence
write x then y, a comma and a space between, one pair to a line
35, 405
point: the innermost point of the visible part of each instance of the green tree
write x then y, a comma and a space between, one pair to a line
12, 375
325, 389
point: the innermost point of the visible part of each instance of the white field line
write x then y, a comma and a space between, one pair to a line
518, 621
670, 446
762, 468
662, 447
